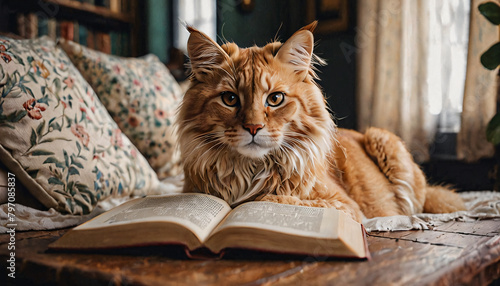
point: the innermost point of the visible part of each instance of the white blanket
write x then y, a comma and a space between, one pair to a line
27, 218
480, 205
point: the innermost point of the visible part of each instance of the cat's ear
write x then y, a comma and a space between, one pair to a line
297, 52
205, 55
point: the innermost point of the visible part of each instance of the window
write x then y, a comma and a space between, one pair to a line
201, 14
447, 60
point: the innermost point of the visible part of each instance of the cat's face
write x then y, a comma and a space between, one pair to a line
254, 101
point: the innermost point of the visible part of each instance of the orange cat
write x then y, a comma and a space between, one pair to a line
254, 125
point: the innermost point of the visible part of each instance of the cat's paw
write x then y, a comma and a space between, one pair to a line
355, 214
282, 199
353, 211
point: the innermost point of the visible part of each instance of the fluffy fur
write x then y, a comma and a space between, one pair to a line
254, 125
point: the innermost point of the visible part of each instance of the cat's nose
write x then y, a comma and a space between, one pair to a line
253, 128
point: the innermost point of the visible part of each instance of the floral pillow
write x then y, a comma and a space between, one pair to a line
56, 136
142, 97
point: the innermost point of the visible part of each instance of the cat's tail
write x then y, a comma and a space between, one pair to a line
440, 199
396, 163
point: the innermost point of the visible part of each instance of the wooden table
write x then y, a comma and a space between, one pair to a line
456, 253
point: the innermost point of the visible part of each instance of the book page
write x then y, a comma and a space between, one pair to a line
198, 212
297, 220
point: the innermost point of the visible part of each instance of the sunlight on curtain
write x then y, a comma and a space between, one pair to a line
419, 74
480, 95
201, 14
447, 60
394, 90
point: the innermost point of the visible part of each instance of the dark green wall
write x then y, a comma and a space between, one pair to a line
338, 78
159, 26
261, 25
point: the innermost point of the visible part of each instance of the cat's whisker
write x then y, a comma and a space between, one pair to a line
297, 161
202, 145
309, 150
299, 144
208, 136
308, 137
217, 144
313, 146
199, 142
294, 147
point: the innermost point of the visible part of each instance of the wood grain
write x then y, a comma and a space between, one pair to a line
456, 253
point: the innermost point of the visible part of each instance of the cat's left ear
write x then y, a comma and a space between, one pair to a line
297, 52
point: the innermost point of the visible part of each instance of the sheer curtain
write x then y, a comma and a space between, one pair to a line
414, 58
480, 96
202, 14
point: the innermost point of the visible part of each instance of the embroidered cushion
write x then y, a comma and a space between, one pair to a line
57, 137
142, 97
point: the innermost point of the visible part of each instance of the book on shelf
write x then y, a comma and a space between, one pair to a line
91, 39
21, 25
52, 28
58, 29
103, 42
125, 6
115, 6
83, 35
202, 223
43, 25
27, 25
115, 43
126, 47
66, 30
31, 25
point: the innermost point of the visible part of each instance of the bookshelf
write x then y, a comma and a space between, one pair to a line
111, 26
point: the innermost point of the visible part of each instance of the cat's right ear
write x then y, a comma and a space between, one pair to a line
205, 55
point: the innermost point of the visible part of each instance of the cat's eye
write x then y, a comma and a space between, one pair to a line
230, 99
275, 99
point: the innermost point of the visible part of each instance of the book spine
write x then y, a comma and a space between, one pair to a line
67, 30
76, 32
52, 28
83, 35
98, 41
106, 43
21, 25
125, 43
114, 42
119, 44
31, 29
43, 25
91, 42
115, 6
58, 29
125, 6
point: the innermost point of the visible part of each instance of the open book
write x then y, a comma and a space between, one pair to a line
199, 221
